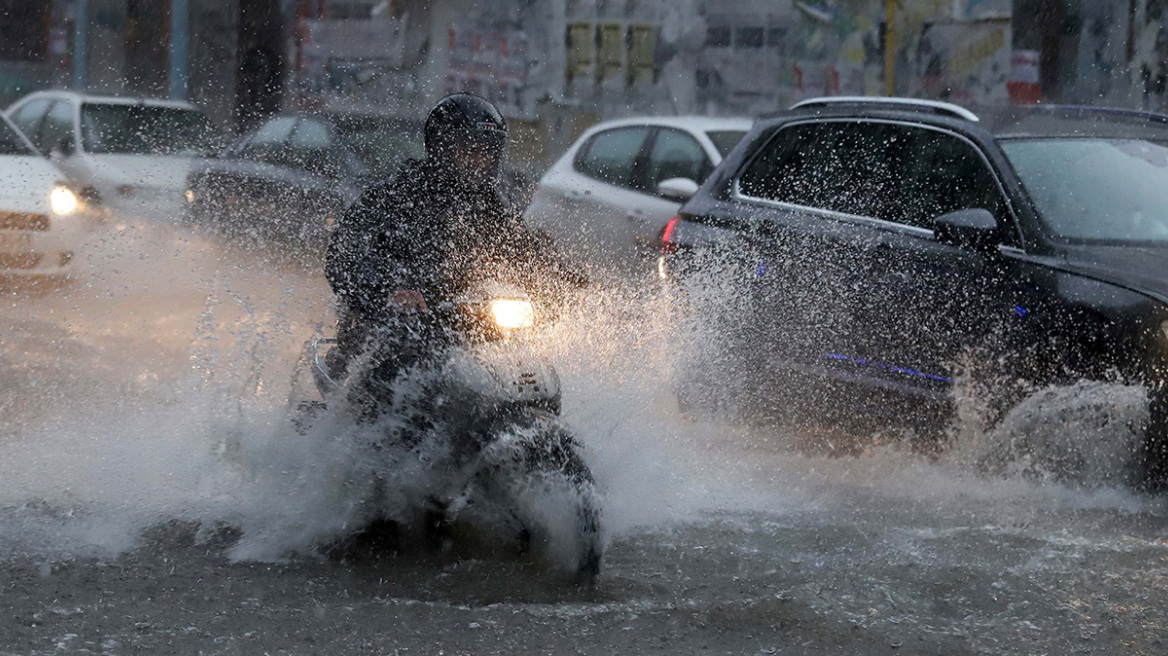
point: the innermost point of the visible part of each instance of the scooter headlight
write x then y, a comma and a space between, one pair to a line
63, 201
512, 313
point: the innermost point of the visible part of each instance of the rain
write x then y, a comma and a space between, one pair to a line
583, 327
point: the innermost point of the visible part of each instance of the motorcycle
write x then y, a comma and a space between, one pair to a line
477, 418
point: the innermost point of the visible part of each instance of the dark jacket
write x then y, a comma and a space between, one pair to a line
424, 230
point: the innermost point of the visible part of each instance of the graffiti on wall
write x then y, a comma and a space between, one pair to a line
492, 63
353, 60
757, 61
609, 55
963, 62
982, 9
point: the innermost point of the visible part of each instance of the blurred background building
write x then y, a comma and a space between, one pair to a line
557, 66
226, 55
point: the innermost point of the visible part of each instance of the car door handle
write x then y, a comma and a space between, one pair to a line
576, 194
635, 214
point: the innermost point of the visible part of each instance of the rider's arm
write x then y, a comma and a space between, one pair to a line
364, 265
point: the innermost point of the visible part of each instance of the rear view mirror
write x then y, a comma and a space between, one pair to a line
975, 228
677, 189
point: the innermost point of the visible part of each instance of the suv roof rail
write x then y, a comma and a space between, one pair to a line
936, 106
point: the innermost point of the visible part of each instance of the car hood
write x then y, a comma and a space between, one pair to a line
1137, 268
25, 183
141, 171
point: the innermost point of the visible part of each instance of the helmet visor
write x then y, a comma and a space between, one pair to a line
479, 153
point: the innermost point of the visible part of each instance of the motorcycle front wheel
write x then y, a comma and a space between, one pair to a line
533, 467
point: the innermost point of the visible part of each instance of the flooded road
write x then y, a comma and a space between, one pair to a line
154, 499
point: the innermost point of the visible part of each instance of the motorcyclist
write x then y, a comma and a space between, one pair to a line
426, 234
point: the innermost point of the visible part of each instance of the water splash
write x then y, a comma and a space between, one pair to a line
1085, 435
207, 437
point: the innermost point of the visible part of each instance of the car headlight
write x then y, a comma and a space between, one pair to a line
1164, 329
512, 313
63, 201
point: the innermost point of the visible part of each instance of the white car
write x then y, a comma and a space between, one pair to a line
130, 153
609, 196
41, 216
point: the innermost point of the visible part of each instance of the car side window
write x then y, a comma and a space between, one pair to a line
28, 118
838, 166
312, 150
269, 139
311, 135
943, 174
897, 173
58, 127
611, 156
675, 154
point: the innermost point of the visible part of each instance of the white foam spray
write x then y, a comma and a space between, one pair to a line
215, 444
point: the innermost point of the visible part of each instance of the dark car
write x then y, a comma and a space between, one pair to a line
293, 175
890, 247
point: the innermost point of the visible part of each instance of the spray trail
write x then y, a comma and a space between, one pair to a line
183, 413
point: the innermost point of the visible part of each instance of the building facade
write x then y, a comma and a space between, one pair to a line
557, 66
225, 55
1096, 52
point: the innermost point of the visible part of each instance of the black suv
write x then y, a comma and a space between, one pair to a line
890, 246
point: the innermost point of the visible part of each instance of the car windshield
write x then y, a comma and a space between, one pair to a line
1097, 189
144, 130
725, 140
381, 145
10, 142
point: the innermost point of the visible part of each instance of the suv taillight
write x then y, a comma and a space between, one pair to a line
667, 245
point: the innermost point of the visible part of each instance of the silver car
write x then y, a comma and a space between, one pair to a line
609, 196
42, 216
131, 153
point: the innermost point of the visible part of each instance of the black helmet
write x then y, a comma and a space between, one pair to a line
463, 122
